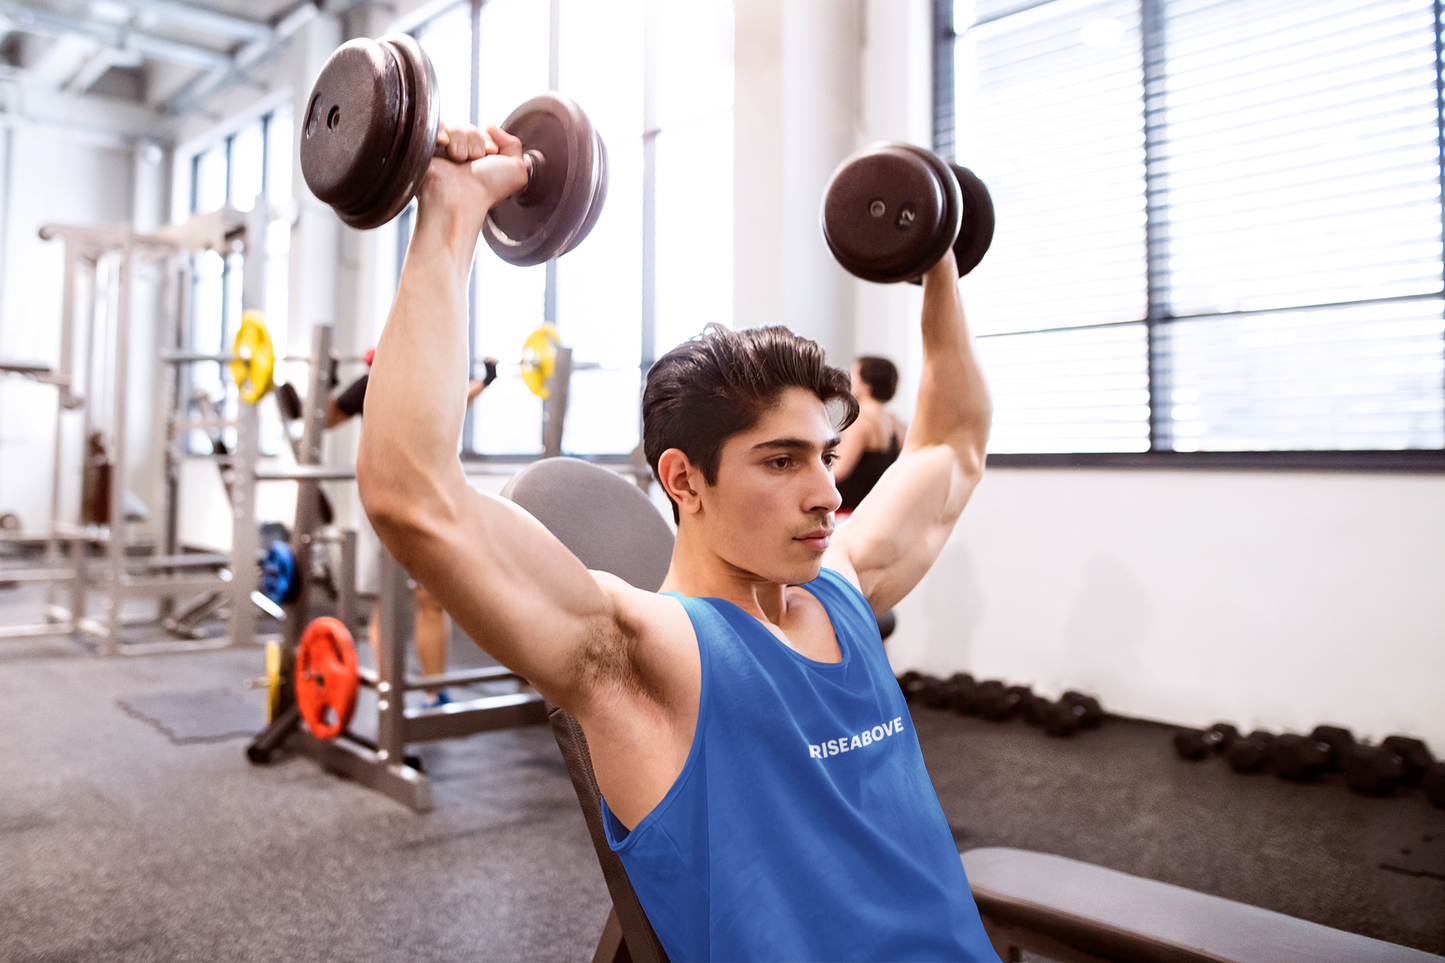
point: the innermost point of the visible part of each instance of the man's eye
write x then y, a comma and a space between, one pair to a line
781, 462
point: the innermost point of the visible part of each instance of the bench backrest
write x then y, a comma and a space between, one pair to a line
611, 526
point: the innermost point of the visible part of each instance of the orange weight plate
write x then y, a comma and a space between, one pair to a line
326, 677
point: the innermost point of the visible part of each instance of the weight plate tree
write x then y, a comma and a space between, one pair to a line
891, 211
370, 133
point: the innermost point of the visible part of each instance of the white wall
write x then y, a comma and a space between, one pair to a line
1280, 600
796, 114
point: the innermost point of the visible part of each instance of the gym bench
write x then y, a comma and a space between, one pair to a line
1076, 912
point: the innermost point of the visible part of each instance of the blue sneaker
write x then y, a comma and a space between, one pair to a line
440, 699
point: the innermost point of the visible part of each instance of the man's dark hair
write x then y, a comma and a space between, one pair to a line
720, 383
879, 375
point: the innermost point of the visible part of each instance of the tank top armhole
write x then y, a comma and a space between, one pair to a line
623, 839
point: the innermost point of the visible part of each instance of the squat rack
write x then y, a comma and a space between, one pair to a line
102, 262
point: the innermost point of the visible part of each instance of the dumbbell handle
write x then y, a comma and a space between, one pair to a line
535, 162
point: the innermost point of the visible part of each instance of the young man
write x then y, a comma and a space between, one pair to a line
762, 781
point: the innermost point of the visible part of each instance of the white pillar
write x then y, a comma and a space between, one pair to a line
316, 236
896, 105
797, 70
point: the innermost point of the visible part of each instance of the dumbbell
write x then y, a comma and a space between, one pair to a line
370, 132
891, 211
1196, 744
1248, 754
1299, 758
998, 702
1338, 739
1413, 753
1433, 782
1374, 770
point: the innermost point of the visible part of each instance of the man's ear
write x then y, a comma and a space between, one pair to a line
681, 479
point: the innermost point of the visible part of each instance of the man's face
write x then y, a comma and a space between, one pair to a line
770, 514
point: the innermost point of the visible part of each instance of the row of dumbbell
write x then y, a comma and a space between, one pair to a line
998, 701
1374, 769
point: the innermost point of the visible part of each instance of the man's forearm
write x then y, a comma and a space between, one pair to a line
954, 407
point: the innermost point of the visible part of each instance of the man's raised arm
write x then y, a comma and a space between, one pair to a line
492, 566
897, 532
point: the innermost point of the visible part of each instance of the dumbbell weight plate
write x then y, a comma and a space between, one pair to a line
890, 212
975, 233
370, 128
562, 201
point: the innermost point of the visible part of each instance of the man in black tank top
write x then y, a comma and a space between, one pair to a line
873, 442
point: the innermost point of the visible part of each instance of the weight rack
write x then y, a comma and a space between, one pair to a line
100, 263
382, 764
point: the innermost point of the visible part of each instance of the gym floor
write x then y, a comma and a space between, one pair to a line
120, 842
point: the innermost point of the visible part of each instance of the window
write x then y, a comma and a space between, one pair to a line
250, 164
656, 80
1219, 223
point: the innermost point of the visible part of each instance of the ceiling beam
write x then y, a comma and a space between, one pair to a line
194, 94
175, 13
19, 17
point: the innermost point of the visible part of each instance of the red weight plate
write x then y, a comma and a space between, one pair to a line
326, 677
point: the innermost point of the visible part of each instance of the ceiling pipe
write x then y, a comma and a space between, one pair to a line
19, 17
235, 69
174, 13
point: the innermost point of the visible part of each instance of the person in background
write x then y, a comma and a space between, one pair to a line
431, 622
873, 442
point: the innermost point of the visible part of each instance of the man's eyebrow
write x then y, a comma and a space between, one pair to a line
795, 444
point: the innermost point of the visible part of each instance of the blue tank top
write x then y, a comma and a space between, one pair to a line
803, 825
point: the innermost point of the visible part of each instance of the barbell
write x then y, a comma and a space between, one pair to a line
891, 211
370, 132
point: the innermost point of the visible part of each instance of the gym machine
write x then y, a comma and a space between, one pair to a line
100, 266
319, 674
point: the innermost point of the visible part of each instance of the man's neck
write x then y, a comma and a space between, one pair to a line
697, 572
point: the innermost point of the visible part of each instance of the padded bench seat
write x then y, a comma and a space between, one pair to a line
1072, 911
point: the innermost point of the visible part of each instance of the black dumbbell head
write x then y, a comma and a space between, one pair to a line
891, 211
1413, 753
370, 128
1338, 739
933, 692
1093, 712
1060, 718
963, 693
994, 700
1373, 769
565, 193
1433, 782
1299, 758
1223, 735
1191, 744
975, 233
1248, 754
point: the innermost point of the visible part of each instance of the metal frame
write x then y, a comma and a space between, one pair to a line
102, 262
1431, 460
383, 764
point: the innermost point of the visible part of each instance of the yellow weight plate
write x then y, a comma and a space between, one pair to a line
255, 360
539, 359
273, 678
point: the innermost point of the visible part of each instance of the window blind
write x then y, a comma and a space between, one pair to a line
1285, 173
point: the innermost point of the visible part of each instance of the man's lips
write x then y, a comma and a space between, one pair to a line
817, 539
